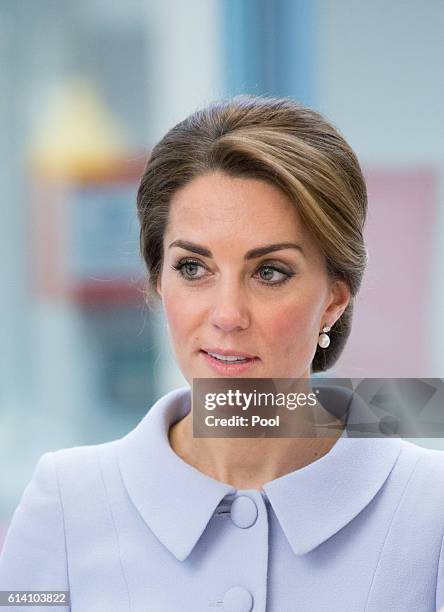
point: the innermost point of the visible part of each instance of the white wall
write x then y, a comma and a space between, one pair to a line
185, 60
381, 82
185, 73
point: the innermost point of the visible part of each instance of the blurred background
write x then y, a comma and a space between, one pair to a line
88, 87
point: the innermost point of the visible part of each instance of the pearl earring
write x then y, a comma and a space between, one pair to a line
324, 338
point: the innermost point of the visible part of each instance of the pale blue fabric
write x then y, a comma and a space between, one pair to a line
128, 525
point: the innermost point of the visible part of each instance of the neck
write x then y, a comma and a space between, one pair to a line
246, 463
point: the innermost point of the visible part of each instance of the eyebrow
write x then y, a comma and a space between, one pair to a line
252, 254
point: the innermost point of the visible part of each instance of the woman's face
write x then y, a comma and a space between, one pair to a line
226, 288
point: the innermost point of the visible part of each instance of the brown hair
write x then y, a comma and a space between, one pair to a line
280, 141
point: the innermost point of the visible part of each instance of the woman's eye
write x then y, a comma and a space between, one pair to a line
269, 275
273, 276
188, 269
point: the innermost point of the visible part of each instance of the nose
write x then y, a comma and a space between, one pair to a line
230, 310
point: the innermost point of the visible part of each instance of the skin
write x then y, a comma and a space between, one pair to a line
233, 304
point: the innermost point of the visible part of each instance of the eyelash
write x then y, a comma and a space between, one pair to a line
183, 262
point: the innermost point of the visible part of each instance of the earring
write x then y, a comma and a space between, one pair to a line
324, 338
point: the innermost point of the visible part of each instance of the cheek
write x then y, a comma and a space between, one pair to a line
180, 312
291, 324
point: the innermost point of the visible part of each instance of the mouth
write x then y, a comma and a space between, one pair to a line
229, 362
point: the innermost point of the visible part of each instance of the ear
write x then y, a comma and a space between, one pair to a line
158, 286
339, 299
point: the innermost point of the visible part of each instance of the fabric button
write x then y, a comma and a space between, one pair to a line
238, 599
243, 511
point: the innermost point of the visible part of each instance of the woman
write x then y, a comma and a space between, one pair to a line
252, 215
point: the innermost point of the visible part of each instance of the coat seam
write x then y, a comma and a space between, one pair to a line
62, 509
116, 532
440, 563
388, 532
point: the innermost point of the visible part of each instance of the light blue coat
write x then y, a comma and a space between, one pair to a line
128, 525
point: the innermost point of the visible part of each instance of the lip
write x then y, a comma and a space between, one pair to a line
228, 352
229, 369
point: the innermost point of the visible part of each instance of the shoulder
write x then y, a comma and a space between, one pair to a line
425, 466
420, 474
74, 470
33, 556
69, 476
426, 485
81, 471
82, 457
73, 480
428, 461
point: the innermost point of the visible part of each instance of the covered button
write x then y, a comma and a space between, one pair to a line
238, 599
243, 511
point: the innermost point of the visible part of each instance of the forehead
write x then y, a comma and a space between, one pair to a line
217, 202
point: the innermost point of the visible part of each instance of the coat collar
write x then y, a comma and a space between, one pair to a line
311, 504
